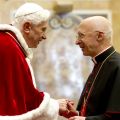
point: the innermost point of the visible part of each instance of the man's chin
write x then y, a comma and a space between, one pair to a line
34, 46
85, 54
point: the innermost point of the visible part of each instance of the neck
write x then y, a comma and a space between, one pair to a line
102, 50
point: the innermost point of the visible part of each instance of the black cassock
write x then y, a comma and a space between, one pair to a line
100, 99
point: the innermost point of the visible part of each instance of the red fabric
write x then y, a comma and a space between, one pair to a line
17, 92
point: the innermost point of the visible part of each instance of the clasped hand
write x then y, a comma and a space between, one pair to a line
66, 108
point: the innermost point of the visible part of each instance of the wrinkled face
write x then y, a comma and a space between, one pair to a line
35, 34
87, 40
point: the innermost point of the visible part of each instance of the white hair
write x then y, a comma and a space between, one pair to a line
30, 12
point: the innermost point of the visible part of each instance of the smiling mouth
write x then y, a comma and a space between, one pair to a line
82, 48
40, 40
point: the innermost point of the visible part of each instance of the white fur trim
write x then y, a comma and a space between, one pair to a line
19, 37
31, 70
48, 110
52, 110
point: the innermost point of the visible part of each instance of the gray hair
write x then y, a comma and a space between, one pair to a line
30, 12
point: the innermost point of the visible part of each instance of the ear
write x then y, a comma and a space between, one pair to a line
27, 27
100, 36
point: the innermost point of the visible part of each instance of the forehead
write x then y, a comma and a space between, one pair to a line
81, 28
85, 27
42, 24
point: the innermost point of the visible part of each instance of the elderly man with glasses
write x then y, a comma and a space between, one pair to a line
100, 99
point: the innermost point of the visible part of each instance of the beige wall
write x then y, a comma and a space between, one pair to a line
6, 6
114, 6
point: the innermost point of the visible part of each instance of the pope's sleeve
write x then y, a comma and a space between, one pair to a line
48, 110
19, 99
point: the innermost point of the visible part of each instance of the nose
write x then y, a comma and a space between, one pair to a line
77, 42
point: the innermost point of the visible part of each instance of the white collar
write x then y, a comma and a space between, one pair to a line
93, 59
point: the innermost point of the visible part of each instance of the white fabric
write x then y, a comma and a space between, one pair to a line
31, 70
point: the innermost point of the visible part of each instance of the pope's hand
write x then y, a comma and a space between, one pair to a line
63, 109
77, 118
72, 110
66, 108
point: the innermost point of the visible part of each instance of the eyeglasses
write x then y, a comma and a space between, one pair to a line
82, 35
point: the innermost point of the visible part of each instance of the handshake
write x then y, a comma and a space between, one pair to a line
66, 108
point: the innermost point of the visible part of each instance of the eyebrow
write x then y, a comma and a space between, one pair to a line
80, 33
